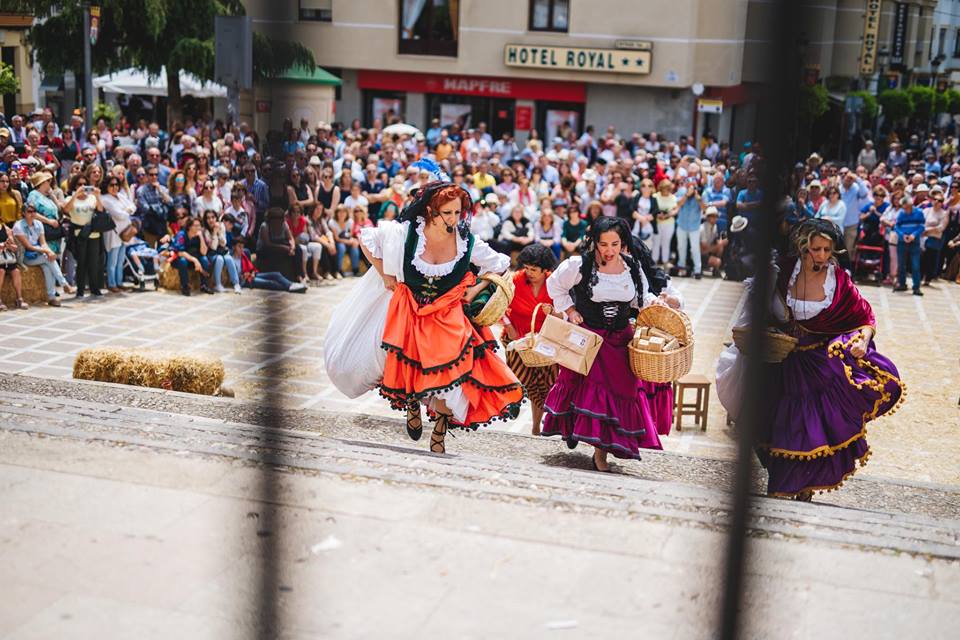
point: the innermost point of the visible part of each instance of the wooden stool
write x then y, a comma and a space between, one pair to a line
698, 409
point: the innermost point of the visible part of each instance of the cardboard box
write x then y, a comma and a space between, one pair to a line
568, 345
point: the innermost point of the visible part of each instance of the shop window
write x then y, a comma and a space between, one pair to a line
316, 10
956, 45
429, 27
550, 15
385, 106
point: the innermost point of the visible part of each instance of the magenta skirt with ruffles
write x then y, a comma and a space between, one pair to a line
608, 408
822, 399
660, 397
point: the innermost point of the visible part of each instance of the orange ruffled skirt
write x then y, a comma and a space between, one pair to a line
434, 349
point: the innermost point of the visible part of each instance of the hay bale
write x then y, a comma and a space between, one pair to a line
34, 287
170, 278
173, 372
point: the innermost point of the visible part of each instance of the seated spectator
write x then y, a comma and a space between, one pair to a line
252, 278
713, 242
347, 244
215, 236
192, 253
9, 265
144, 258
547, 232
486, 220
277, 249
574, 230
29, 234
322, 247
516, 232
298, 224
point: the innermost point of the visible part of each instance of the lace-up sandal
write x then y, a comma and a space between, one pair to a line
439, 434
414, 422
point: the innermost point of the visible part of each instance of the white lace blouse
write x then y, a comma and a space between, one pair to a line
806, 309
483, 256
610, 287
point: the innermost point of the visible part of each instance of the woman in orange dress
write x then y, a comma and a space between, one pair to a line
536, 263
435, 355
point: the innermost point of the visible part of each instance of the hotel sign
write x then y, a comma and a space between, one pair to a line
871, 31
577, 59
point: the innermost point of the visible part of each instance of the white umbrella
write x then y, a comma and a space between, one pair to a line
135, 81
402, 129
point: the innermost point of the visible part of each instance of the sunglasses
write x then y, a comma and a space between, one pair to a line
113, 184
153, 174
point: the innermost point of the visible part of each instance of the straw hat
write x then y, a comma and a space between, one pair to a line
738, 224
712, 211
39, 178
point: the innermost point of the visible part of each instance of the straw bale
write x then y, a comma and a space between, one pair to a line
170, 278
174, 372
34, 287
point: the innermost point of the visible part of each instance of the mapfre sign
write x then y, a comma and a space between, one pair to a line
477, 86
579, 59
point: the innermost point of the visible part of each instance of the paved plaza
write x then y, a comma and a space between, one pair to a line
919, 443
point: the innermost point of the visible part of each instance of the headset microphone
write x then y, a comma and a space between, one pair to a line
817, 268
449, 229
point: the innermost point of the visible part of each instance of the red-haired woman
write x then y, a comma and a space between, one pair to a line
423, 274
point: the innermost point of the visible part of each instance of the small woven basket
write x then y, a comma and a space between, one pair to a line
667, 366
497, 305
525, 346
776, 346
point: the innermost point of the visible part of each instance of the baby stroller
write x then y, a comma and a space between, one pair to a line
130, 273
868, 263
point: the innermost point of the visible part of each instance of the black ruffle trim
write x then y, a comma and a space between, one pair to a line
398, 352
406, 399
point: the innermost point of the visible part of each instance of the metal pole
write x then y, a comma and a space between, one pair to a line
87, 70
782, 73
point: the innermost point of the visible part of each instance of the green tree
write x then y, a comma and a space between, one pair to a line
813, 103
9, 83
150, 35
897, 104
953, 101
869, 109
924, 101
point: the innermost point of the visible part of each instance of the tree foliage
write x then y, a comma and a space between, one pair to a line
148, 35
953, 101
813, 103
897, 104
924, 100
9, 83
869, 109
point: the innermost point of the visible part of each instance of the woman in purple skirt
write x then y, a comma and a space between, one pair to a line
608, 408
826, 391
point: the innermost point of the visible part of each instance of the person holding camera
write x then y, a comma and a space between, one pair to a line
86, 244
688, 228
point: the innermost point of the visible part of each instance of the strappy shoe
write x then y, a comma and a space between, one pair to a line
21, 304
439, 434
414, 422
804, 496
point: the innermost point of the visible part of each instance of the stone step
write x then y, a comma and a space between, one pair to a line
494, 466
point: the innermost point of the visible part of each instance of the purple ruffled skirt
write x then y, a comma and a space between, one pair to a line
660, 397
822, 399
607, 408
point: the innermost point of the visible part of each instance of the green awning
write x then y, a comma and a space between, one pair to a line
317, 76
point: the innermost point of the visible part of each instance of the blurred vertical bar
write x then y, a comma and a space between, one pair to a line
776, 133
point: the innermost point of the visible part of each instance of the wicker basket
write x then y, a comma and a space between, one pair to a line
525, 346
776, 347
497, 304
667, 366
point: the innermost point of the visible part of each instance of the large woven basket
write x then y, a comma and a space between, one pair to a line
776, 346
497, 304
525, 346
669, 365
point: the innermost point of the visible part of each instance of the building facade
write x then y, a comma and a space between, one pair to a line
14, 52
521, 64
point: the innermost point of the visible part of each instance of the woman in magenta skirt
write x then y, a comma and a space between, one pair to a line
601, 289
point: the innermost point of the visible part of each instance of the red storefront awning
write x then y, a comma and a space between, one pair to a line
517, 88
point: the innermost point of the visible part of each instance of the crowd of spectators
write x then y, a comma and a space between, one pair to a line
96, 208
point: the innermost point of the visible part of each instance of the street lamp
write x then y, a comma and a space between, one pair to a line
883, 57
935, 67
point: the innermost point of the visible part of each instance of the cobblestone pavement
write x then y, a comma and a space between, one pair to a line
920, 443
